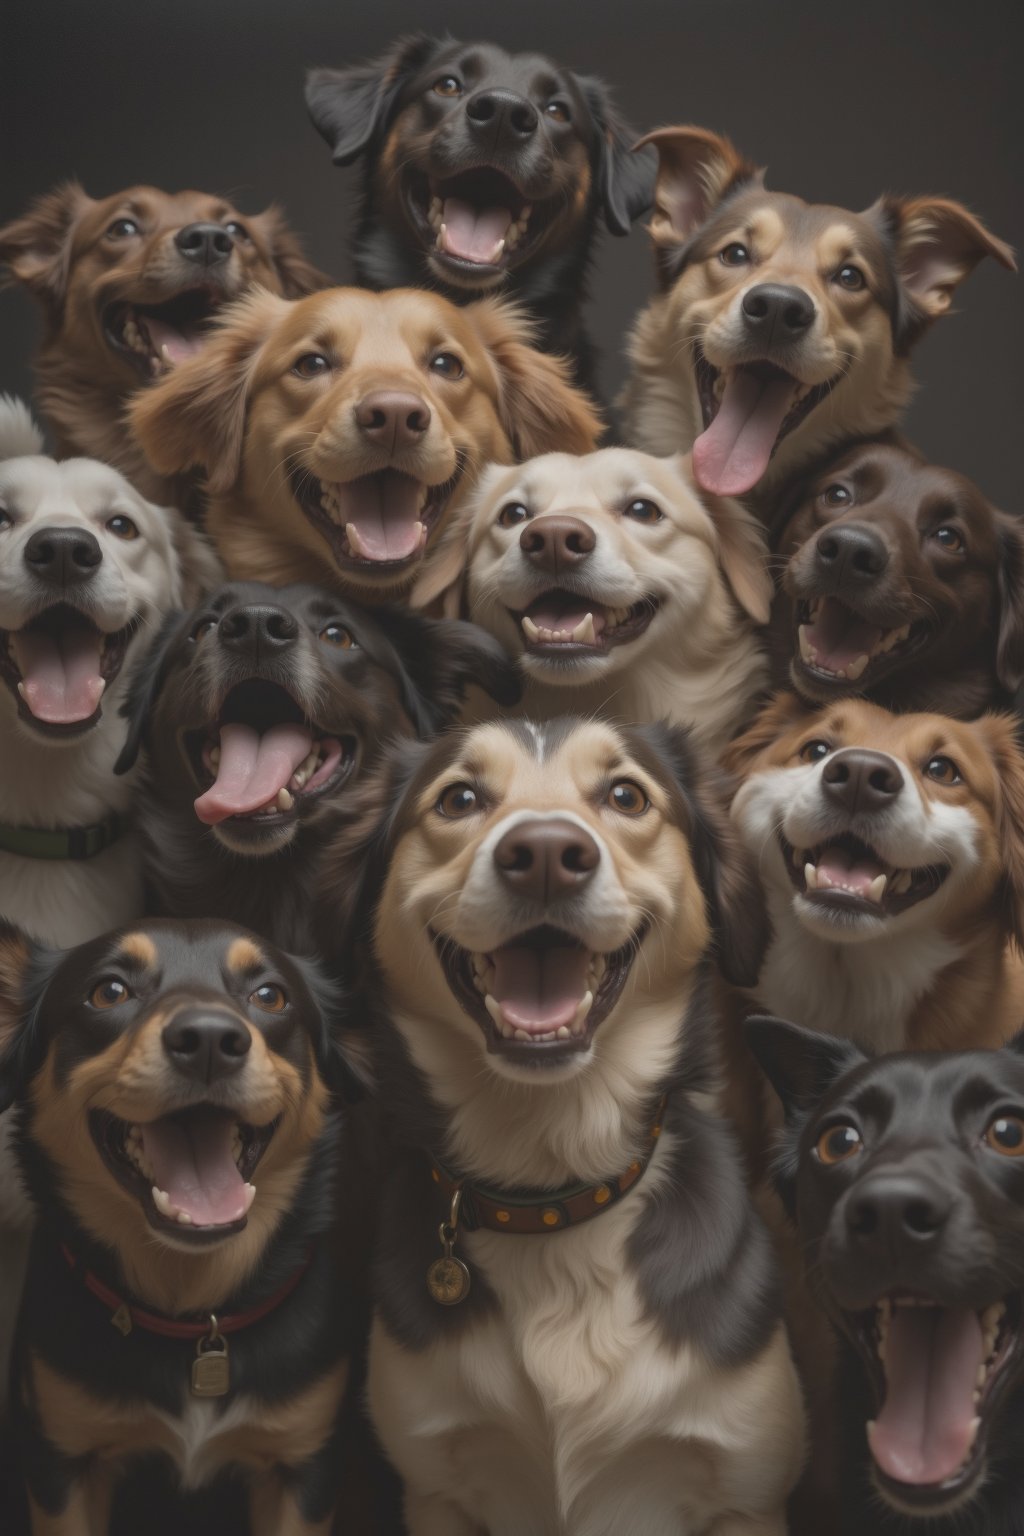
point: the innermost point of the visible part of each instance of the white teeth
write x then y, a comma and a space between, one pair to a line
21, 690
496, 253
982, 1376
166, 356
284, 800
901, 882
355, 542
584, 633
972, 1433
807, 650
183, 1219
163, 1203
584, 1006
855, 668
521, 1034
250, 1196
811, 876
562, 1032
876, 890
422, 539
530, 630
435, 213
442, 236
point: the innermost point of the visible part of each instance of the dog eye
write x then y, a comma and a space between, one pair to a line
448, 85
312, 365
644, 511
458, 800
270, 998
734, 255
626, 796
109, 993
835, 496
203, 627
6, 521
122, 228
511, 514
337, 634
837, 1144
447, 365
1006, 1135
851, 278
557, 111
239, 231
123, 527
814, 751
951, 539
943, 770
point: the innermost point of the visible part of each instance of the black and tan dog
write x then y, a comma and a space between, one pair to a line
262, 711
186, 1295
905, 1178
484, 170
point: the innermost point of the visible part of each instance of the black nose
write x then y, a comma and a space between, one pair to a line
860, 780
890, 1211
777, 313
206, 1043
257, 630
850, 554
63, 557
511, 118
393, 418
544, 860
206, 244
553, 543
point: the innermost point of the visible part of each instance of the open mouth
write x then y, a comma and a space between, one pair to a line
262, 761
191, 1171
837, 645
380, 522
845, 876
478, 223
938, 1373
747, 410
58, 667
540, 997
157, 336
566, 624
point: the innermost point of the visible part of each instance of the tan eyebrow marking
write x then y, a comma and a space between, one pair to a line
244, 955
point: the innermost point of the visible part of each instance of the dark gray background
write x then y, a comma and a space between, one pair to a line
840, 100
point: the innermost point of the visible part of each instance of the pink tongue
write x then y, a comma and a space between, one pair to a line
923, 1433
730, 457
539, 989
839, 636
473, 233
384, 511
842, 868
179, 344
192, 1162
548, 613
60, 672
252, 769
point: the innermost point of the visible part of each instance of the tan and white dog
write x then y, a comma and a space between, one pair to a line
623, 590
550, 895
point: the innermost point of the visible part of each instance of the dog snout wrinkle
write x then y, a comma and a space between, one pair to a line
777, 312
860, 780
893, 1211
393, 418
850, 555
258, 630
205, 244
63, 557
555, 543
544, 861
512, 117
207, 1044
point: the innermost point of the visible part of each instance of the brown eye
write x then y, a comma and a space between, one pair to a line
511, 514
458, 800
943, 770
312, 365
123, 229
1006, 1136
837, 1144
836, 496
123, 527
448, 85
203, 627
270, 998
237, 231
734, 255
814, 751
6, 520
950, 539
627, 797
557, 111
644, 511
851, 278
337, 634
447, 365
109, 993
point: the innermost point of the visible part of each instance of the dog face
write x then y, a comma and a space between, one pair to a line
906, 1179
486, 164
795, 318
897, 567
871, 823
584, 565
264, 705
85, 565
549, 890
350, 422
131, 282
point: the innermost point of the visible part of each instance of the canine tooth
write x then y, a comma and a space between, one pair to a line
250, 1196
284, 800
811, 876
855, 668
993, 1315
901, 882
441, 243
162, 1201
497, 252
972, 1432
521, 1034
512, 237
807, 650
530, 629
165, 355
494, 1009
355, 542
422, 538
981, 1377
584, 633
183, 1219
21, 690
876, 890
297, 781
561, 1033
584, 1006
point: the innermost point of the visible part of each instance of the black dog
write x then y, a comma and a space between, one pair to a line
905, 1176
262, 711
484, 170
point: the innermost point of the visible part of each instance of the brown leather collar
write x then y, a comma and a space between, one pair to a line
541, 1210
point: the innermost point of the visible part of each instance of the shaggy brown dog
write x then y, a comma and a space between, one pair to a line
128, 284
337, 433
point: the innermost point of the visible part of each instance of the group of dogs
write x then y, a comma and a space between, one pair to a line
655, 814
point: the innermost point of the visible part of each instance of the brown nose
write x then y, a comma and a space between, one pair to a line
556, 543
859, 780
392, 419
544, 860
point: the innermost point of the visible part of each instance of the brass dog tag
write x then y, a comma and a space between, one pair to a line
211, 1373
448, 1281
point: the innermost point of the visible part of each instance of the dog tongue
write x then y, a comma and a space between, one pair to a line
563, 617
932, 1357
842, 868
179, 343
252, 768
61, 681
193, 1163
539, 989
381, 515
473, 233
839, 636
730, 457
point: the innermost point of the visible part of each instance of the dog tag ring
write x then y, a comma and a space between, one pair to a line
448, 1279
211, 1373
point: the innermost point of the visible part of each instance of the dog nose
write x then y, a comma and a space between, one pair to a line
63, 557
852, 553
512, 116
860, 780
543, 861
257, 630
890, 1211
392, 419
553, 543
777, 312
206, 1043
206, 244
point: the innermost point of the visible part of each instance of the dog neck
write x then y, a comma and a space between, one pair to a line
63, 784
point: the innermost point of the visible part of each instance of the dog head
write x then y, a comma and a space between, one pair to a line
85, 565
867, 823
488, 164
131, 282
897, 568
906, 1178
796, 318
352, 422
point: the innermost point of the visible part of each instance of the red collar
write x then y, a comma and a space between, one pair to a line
125, 1317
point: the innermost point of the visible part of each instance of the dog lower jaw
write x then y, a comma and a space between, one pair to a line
887, 650
585, 631
874, 889
154, 337
519, 226
112, 647
321, 503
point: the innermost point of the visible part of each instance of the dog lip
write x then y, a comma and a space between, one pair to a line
884, 659
918, 883
618, 625
114, 649
309, 491
200, 301
422, 186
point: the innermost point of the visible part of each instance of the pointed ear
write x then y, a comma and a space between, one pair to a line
937, 244
439, 659
296, 274
778, 716
625, 181
146, 682
36, 249
19, 959
742, 548
351, 108
801, 1064
196, 416
19, 435
696, 169
541, 410
1002, 735
1010, 636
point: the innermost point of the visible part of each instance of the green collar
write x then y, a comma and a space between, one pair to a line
61, 842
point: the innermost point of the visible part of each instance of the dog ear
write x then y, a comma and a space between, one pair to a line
742, 549
1010, 577
36, 248
801, 1064
200, 569
779, 715
351, 108
696, 170
1003, 734
541, 410
937, 244
625, 181
196, 416
438, 659
147, 679
296, 274
20, 962
441, 579
19, 435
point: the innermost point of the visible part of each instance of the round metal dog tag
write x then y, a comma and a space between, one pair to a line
448, 1281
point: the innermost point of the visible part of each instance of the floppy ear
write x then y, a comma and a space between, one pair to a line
198, 561
742, 549
779, 715
144, 688
801, 1064
296, 274
36, 248
696, 169
1010, 636
541, 410
1003, 736
937, 244
196, 416
625, 181
439, 659
20, 958
441, 579
351, 108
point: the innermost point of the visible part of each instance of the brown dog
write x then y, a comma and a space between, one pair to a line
128, 284
902, 583
782, 327
338, 433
